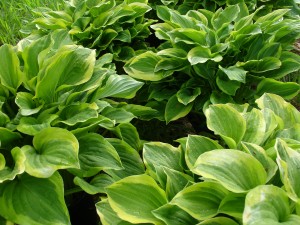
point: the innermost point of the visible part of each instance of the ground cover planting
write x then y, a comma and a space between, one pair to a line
82, 93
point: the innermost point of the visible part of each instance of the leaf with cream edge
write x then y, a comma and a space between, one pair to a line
238, 171
201, 200
95, 154
175, 110
134, 198
10, 73
288, 161
72, 65
268, 204
227, 122
34, 201
286, 111
53, 149
218, 221
7, 173
196, 145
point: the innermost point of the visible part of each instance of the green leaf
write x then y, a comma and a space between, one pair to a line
96, 185
53, 149
288, 161
235, 73
219, 221
201, 200
119, 115
255, 127
119, 86
176, 181
8, 137
34, 201
268, 204
187, 95
71, 64
237, 171
175, 110
196, 145
229, 87
77, 113
288, 113
26, 104
233, 204
260, 154
201, 54
95, 154
173, 215
261, 65
10, 74
143, 67
229, 14
32, 125
156, 153
131, 161
231, 129
128, 133
7, 173
107, 215
287, 90
134, 198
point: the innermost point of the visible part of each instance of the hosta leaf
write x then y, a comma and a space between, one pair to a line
32, 125
227, 15
134, 198
201, 54
173, 215
235, 73
143, 67
237, 171
7, 173
288, 161
201, 200
261, 65
10, 74
30, 200
71, 64
96, 185
119, 86
53, 149
128, 133
255, 127
219, 221
229, 87
77, 113
268, 204
231, 129
107, 215
156, 153
8, 137
287, 90
187, 95
95, 154
289, 114
233, 204
196, 145
291, 133
131, 161
26, 104
175, 110
118, 115
176, 181
260, 154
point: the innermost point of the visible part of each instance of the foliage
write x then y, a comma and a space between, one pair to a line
118, 27
14, 14
248, 177
226, 56
53, 106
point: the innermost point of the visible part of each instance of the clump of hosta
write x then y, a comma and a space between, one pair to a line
217, 57
53, 106
249, 178
118, 27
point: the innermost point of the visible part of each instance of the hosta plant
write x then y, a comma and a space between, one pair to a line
216, 57
249, 178
118, 27
54, 107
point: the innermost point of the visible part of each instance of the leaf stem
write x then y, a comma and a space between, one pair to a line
73, 191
